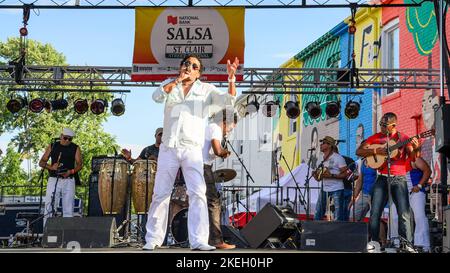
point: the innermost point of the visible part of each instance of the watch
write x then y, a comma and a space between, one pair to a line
420, 186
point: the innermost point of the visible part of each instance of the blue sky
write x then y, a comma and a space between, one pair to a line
106, 38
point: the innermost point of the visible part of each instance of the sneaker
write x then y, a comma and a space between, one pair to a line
225, 246
373, 247
149, 247
204, 248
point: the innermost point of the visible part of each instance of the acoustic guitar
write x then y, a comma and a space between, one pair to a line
378, 161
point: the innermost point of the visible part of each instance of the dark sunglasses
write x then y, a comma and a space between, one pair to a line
67, 138
384, 124
188, 63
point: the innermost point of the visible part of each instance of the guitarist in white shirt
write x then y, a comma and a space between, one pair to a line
398, 184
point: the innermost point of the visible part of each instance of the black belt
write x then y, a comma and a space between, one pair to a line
60, 176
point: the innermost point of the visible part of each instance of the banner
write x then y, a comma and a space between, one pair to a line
165, 35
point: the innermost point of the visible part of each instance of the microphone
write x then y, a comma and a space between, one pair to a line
312, 149
115, 151
340, 141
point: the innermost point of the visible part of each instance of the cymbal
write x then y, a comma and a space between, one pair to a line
224, 175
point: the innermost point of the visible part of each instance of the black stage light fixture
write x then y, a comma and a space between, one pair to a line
16, 104
117, 107
333, 108
81, 106
59, 104
253, 106
352, 109
98, 106
292, 109
270, 108
313, 109
37, 105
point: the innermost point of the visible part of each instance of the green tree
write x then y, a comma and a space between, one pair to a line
33, 132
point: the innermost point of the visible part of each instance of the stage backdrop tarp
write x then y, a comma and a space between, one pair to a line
165, 35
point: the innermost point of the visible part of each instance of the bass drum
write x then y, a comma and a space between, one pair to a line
105, 187
142, 183
179, 226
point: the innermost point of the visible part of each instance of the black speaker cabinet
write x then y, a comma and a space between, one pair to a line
442, 125
272, 222
446, 231
89, 232
233, 236
333, 236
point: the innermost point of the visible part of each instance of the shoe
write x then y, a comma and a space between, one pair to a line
373, 247
204, 248
149, 247
225, 246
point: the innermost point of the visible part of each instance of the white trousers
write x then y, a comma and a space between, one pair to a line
191, 162
422, 229
65, 189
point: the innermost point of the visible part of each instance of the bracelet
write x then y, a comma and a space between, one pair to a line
232, 80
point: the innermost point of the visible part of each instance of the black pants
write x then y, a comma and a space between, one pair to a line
213, 199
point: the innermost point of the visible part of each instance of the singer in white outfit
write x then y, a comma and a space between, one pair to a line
66, 163
188, 103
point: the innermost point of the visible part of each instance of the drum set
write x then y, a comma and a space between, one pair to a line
119, 182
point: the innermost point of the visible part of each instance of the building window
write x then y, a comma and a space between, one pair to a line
391, 52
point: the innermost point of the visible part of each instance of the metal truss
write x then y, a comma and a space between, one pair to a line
257, 79
131, 4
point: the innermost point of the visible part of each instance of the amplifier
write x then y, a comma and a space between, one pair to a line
15, 216
333, 236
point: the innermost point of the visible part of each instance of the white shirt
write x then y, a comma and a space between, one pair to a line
334, 163
212, 131
185, 117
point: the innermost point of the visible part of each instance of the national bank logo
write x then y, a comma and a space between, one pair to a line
172, 20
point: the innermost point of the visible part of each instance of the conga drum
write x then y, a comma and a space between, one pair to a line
142, 183
106, 182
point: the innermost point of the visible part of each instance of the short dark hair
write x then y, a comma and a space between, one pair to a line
389, 116
226, 116
187, 56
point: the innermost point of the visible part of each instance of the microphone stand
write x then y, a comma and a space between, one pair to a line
307, 188
248, 177
277, 174
301, 197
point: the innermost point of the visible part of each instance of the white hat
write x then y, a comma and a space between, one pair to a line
68, 132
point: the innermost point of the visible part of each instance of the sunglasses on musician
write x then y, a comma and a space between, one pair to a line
384, 124
188, 64
67, 138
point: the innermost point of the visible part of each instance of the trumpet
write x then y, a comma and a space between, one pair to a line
320, 172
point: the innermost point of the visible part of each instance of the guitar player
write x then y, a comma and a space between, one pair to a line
398, 184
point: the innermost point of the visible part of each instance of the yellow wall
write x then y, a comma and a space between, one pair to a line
289, 142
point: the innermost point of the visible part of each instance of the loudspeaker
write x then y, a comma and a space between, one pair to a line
446, 231
90, 232
272, 222
232, 235
333, 236
442, 121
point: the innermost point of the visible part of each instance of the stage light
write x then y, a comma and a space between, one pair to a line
253, 106
292, 109
313, 109
37, 105
81, 106
14, 105
269, 109
352, 109
98, 106
117, 107
333, 108
59, 104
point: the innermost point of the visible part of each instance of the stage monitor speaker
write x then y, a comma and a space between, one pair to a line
89, 232
232, 235
333, 236
442, 121
272, 222
446, 231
